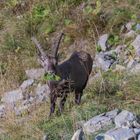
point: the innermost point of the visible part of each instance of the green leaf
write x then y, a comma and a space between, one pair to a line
113, 40
57, 78
49, 76
133, 17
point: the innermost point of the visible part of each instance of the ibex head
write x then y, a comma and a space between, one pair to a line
48, 61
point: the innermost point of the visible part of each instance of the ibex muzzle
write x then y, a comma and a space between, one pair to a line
73, 73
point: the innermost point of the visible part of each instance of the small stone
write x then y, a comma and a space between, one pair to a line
131, 63
12, 96
138, 27
136, 45
35, 73
26, 84
129, 25
125, 119
78, 135
135, 69
102, 41
130, 34
2, 110
120, 48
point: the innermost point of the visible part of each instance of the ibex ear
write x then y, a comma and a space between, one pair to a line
56, 47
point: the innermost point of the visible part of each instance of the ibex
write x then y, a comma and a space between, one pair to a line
73, 73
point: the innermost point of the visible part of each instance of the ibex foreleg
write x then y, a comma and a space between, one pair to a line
62, 102
52, 103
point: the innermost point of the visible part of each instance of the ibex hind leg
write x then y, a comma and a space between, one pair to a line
62, 102
78, 95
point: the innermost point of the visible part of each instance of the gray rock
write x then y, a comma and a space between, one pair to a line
137, 131
42, 93
78, 135
30, 100
26, 84
112, 114
12, 96
131, 63
138, 137
104, 61
99, 122
138, 27
102, 41
35, 73
135, 69
136, 45
24, 106
120, 134
21, 109
125, 119
120, 48
95, 124
2, 111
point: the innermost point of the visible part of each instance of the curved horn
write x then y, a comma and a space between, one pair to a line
38, 46
55, 51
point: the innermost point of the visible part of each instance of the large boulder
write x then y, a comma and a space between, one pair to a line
99, 122
120, 134
125, 119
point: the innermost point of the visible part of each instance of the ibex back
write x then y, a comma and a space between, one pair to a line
73, 73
